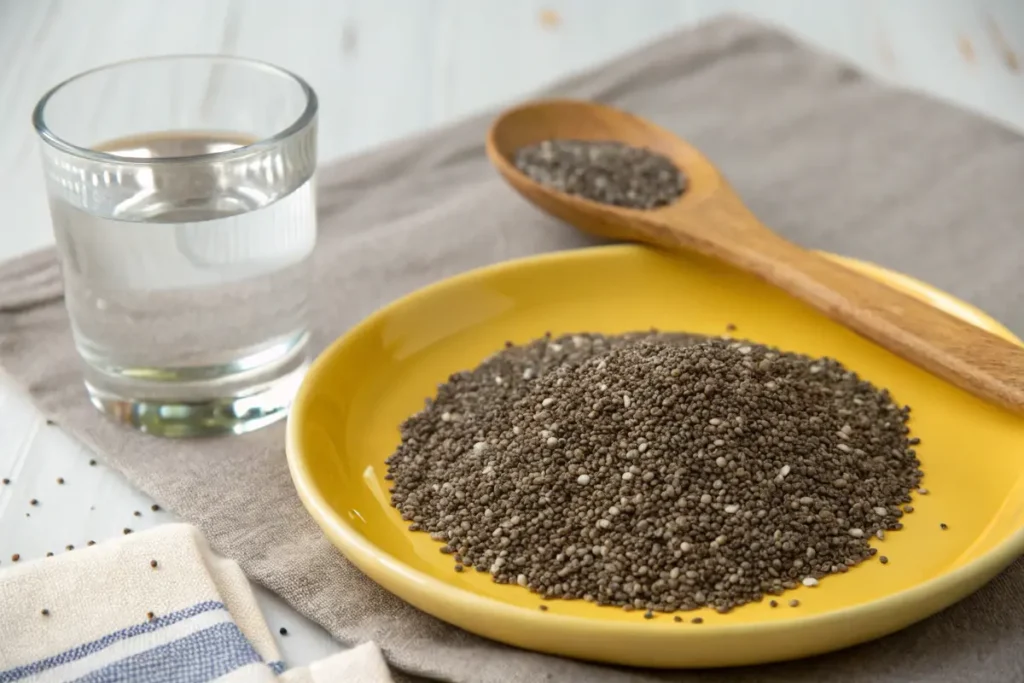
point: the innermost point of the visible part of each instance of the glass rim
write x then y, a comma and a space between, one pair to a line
52, 139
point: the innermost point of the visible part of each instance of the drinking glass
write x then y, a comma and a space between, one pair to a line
181, 193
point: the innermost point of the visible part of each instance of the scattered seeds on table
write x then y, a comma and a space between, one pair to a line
543, 608
150, 616
794, 603
718, 482
60, 480
50, 422
34, 502
678, 619
697, 620
126, 531
604, 171
649, 614
69, 547
45, 612
153, 564
283, 631
943, 526
6, 481
92, 462
773, 603
154, 507
91, 543
883, 559
137, 514
923, 491
15, 557
49, 554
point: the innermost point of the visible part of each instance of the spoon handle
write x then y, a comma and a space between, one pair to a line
971, 358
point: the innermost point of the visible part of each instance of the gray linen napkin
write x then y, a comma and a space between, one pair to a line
821, 154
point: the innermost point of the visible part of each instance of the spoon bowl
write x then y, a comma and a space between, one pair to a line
710, 218
534, 123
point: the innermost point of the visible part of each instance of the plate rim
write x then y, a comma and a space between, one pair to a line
944, 589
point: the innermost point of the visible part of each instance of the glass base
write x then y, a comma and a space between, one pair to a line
244, 412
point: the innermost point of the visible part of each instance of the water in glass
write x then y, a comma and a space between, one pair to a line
193, 288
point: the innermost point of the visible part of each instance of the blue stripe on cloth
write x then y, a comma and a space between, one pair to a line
197, 658
87, 649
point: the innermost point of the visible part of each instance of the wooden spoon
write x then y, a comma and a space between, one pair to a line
711, 219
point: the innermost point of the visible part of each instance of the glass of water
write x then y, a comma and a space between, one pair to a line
182, 199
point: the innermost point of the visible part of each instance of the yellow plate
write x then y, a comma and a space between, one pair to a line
345, 423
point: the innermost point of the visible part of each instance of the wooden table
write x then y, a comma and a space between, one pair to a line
385, 69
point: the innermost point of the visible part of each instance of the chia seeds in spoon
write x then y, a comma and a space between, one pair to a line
606, 172
655, 472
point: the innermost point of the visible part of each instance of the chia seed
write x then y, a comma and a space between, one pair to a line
681, 531
605, 172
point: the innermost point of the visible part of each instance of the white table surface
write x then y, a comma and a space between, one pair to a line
384, 69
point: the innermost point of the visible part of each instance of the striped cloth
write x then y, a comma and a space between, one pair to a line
105, 613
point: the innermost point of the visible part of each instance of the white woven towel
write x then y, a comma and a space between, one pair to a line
105, 613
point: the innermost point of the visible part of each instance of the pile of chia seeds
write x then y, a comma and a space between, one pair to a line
606, 172
655, 471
